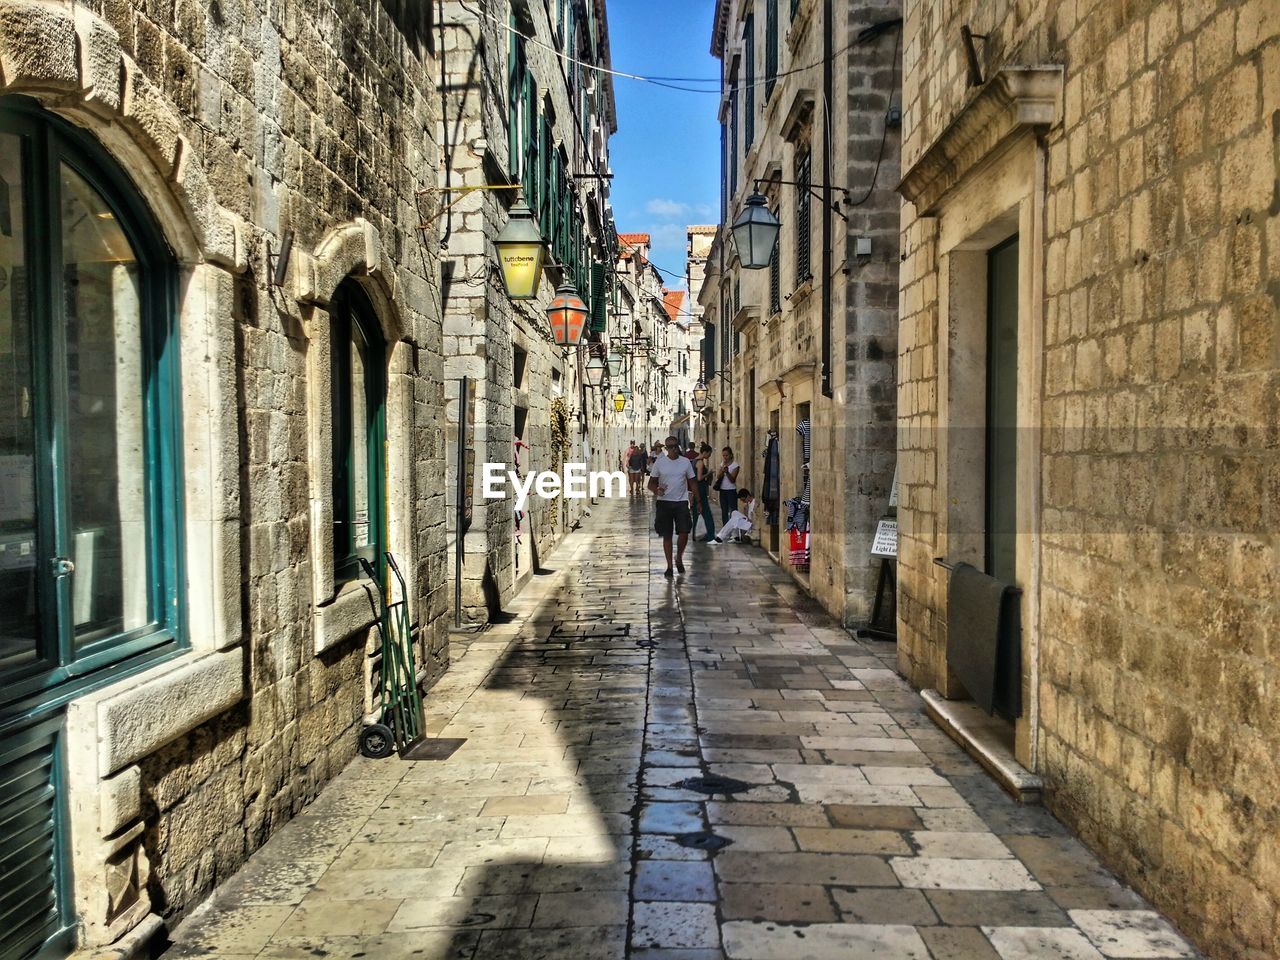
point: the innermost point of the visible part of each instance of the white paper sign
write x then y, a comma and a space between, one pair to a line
886, 542
893, 491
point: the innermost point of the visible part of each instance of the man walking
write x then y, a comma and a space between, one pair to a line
669, 478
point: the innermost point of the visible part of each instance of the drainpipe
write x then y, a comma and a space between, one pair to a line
445, 148
828, 56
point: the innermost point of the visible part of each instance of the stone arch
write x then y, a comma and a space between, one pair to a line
354, 250
70, 61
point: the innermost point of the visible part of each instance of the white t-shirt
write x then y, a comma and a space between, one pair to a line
674, 475
726, 483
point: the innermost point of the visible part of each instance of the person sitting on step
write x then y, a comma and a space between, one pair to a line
740, 522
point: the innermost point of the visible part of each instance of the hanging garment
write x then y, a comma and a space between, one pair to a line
797, 514
805, 430
770, 492
799, 554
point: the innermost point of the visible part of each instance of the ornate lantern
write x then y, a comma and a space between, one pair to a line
699, 396
567, 315
520, 253
595, 371
755, 233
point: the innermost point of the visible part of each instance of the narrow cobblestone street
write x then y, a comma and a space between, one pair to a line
694, 769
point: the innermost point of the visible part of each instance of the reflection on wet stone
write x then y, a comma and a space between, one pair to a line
757, 785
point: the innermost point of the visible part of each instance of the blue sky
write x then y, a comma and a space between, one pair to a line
665, 155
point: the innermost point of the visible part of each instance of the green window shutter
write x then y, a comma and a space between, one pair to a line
515, 90
544, 176
804, 165
599, 298
770, 46
29, 836
529, 129
551, 236
733, 141
749, 102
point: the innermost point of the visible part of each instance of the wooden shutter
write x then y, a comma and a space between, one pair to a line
770, 46
749, 105
803, 201
29, 908
599, 298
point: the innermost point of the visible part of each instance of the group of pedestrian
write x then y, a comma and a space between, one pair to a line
682, 481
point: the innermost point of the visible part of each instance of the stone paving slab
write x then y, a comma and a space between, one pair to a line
571, 826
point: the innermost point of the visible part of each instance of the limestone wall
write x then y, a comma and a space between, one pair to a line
1150, 433
485, 330
777, 370
242, 120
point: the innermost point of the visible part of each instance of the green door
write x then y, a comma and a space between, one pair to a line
1002, 411
89, 569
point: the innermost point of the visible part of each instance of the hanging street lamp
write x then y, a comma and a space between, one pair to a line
595, 371
619, 402
699, 396
615, 364
520, 253
755, 233
625, 392
567, 315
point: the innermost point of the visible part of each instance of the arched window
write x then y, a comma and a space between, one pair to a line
359, 357
90, 511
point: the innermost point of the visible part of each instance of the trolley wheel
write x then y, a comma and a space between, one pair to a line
377, 741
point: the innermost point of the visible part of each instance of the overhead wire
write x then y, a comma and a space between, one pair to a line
668, 82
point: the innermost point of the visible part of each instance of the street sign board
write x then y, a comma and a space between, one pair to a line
885, 543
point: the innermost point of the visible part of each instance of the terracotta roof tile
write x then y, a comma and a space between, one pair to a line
672, 300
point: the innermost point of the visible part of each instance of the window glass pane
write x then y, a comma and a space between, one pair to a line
361, 530
18, 551
105, 429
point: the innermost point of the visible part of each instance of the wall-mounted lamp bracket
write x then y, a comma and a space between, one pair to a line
461, 193
967, 37
278, 264
815, 191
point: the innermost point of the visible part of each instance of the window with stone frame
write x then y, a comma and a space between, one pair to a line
358, 398
90, 529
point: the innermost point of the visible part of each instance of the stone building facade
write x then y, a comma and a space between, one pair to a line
223, 370
812, 339
517, 114
655, 349
1088, 366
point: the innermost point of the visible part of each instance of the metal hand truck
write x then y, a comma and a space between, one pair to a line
400, 725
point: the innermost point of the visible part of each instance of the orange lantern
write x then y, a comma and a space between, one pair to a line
567, 315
